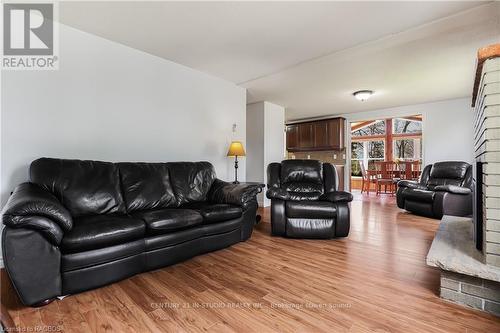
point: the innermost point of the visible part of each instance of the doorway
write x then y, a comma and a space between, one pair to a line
383, 144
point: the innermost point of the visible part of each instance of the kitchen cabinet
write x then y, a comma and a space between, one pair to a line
316, 135
292, 137
321, 130
306, 136
336, 127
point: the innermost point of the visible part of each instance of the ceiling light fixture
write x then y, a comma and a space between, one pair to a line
363, 95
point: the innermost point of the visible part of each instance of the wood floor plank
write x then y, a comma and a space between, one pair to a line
375, 280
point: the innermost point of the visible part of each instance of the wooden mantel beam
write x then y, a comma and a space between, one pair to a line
483, 54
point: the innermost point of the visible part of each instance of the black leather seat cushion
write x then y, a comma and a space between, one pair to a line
434, 182
79, 260
95, 232
215, 212
177, 237
310, 209
419, 195
168, 219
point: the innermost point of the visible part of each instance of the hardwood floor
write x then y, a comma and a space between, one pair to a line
375, 280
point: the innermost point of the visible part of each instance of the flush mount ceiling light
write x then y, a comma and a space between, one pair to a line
363, 95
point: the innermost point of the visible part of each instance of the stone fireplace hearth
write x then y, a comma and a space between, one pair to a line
465, 278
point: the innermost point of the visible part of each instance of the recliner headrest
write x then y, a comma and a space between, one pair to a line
449, 170
305, 171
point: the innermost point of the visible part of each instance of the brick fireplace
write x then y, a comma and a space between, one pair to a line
467, 250
487, 154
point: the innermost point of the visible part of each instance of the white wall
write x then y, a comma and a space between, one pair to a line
447, 128
266, 141
114, 103
255, 142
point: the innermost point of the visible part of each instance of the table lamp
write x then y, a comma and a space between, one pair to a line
236, 149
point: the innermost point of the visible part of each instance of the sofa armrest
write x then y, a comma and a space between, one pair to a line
33, 263
235, 194
337, 196
411, 184
277, 193
453, 189
48, 228
32, 207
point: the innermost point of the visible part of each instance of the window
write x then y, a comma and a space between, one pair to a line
401, 125
407, 142
369, 128
407, 149
370, 139
366, 152
376, 150
357, 157
357, 150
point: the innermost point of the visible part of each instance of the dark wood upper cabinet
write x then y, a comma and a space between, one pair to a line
292, 137
321, 138
336, 127
306, 136
316, 135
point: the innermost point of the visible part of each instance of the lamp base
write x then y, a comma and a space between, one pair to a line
236, 182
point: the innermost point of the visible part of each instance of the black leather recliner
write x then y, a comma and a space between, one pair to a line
445, 188
82, 224
305, 201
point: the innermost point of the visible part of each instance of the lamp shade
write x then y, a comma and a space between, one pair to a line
236, 149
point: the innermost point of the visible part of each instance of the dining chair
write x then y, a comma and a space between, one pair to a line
416, 170
368, 178
386, 177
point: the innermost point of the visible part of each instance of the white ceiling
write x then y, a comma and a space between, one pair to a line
308, 56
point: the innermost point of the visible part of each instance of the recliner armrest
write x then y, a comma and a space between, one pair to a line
411, 184
235, 194
337, 196
33, 207
453, 189
277, 193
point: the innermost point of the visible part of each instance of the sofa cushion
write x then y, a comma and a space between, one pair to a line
419, 195
310, 209
176, 237
191, 181
450, 170
303, 187
95, 232
434, 182
83, 187
79, 260
305, 171
310, 228
169, 219
215, 212
146, 186
299, 196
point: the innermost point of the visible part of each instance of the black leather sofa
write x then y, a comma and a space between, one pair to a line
79, 225
305, 201
444, 188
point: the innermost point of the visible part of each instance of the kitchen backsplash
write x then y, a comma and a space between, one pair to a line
331, 156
